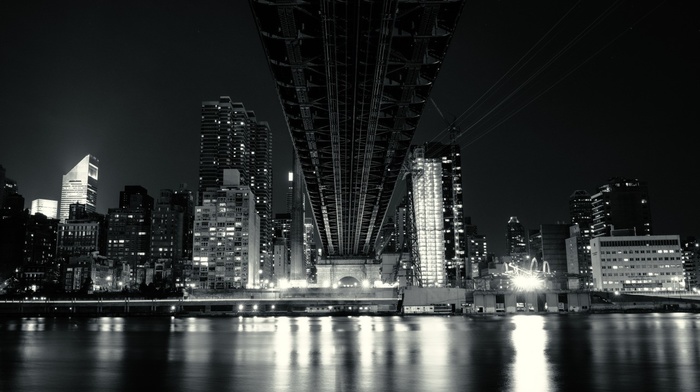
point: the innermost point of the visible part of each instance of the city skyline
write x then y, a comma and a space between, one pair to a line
615, 105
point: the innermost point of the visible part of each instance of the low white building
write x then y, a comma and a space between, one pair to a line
637, 263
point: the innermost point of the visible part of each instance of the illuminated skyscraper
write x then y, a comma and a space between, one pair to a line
80, 186
426, 184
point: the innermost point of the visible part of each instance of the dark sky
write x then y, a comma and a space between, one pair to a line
563, 95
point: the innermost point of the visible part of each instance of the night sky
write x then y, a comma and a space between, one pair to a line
556, 96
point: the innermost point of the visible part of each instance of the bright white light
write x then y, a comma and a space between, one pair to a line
365, 283
526, 282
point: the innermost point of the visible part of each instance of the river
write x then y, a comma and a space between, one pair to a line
568, 352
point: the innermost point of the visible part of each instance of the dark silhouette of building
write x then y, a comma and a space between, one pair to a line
516, 242
129, 227
621, 205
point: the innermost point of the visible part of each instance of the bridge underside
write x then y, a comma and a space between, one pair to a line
353, 79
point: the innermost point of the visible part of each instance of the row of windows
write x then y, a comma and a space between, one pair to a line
641, 274
638, 243
641, 266
606, 252
640, 259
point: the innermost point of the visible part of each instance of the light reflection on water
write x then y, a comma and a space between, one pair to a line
611, 352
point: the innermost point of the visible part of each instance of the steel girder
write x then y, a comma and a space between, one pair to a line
353, 78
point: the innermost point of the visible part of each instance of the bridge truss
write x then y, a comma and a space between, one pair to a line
353, 78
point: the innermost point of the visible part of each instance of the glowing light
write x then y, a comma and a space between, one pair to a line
527, 282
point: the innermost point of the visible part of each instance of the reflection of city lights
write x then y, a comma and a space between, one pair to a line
526, 282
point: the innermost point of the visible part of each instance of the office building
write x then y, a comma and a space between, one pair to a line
80, 186
226, 252
637, 263
622, 206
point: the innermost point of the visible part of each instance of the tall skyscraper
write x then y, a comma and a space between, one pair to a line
260, 167
446, 160
621, 205
224, 143
297, 271
233, 138
80, 186
226, 250
428, 205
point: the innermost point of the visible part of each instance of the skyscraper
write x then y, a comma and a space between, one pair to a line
80, 186
225, 135
444, 162
260, 168
621, 205
233, 138
426, 185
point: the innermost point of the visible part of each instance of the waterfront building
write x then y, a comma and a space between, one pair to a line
637, 263
79, 185
46, 207
428, 210
233, 138
622, 206
226, 249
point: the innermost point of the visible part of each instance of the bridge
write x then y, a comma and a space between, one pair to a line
353, 78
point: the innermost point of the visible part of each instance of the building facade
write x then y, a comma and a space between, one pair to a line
233, 138
637, 263
426, 185
79, 185
226, 252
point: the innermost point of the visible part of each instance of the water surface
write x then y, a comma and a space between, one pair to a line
573, 352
